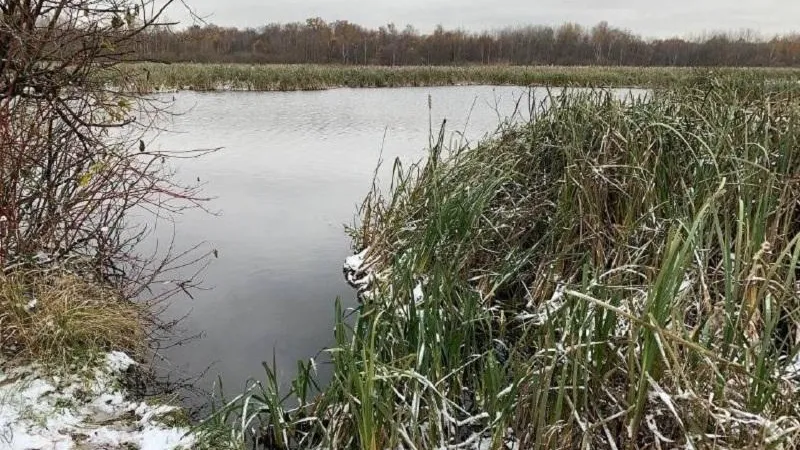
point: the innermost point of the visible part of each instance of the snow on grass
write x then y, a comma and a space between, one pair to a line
118, 362
359, 274
417, 293
147, 438
547, 309
792, 371
88, 411
355, 273
353, 263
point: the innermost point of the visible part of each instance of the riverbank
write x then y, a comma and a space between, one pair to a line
66, 348
85, 408
153, 77
614, 274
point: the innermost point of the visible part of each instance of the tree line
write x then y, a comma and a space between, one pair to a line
343, 42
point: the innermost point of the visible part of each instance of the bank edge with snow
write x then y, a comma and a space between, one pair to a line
81, 411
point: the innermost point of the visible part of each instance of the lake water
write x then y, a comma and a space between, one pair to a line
292, 170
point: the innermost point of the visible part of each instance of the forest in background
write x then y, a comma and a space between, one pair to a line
342, 42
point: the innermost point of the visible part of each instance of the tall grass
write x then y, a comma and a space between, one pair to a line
613, 274
147, 77
56, 317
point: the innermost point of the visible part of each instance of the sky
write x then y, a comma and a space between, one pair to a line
648, 18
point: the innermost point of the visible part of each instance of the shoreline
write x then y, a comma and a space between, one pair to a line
228, 89
87, 407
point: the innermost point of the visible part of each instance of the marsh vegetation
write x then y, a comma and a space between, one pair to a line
149, 77
612, 274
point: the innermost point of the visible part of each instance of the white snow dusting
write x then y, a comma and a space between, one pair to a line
39, 412
419, 296
354, 262
547, 309
31, 305
792, 370
118, 362
356, 274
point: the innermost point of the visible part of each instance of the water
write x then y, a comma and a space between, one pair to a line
292, 170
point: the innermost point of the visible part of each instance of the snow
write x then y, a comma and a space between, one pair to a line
356, 273
481, 441
354, 262
86, 411
149, 438
418, 294
547, 309
685, 286
42, 258
792, 370
119, 362
31, 305
37, 389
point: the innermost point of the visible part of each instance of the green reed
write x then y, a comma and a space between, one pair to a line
616, 273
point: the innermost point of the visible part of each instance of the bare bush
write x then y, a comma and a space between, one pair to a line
72, 160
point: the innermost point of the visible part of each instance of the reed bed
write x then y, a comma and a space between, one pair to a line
613, 274
148, 77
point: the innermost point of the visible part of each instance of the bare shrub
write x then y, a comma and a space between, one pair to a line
73, 165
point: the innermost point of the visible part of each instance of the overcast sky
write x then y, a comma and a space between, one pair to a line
649, 18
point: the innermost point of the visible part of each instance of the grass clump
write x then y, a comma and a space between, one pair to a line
617, 273
58, 318
148, 77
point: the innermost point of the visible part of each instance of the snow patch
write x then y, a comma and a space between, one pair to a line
38, 412
792, 370
419, 296
547, 309
149, 438
31, 305
353, 263
357, 273
119, 362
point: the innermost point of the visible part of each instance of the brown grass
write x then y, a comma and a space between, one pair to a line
73, 318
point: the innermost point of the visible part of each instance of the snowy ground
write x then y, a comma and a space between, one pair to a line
82, 412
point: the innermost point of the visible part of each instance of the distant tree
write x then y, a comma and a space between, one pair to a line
317, 41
